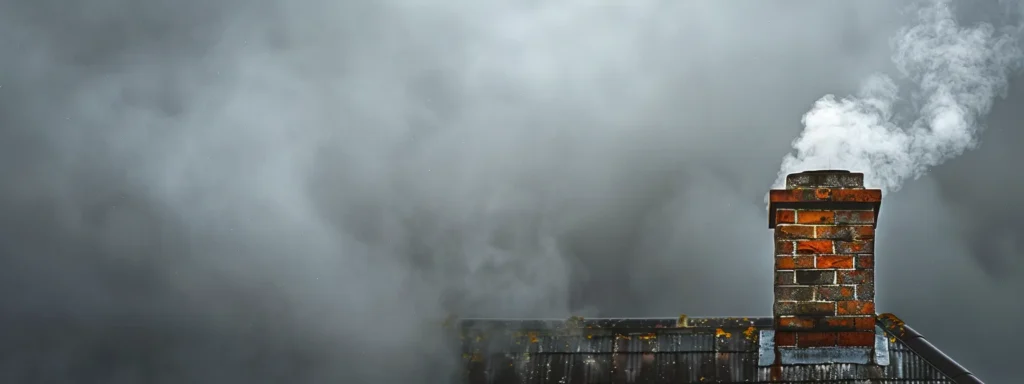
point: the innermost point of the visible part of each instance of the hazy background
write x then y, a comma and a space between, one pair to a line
302, 191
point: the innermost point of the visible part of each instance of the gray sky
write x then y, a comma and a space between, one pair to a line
302, 191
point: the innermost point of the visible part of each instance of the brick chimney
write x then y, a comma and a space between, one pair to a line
824, 225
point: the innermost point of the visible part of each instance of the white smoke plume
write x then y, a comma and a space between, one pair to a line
957, 73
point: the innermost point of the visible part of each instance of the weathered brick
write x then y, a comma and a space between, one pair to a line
816, 339
854, 247
833, 262
844, 232
817, 308
859, 276
794, 232
815, 277
834, 293
794, 262
865, 323
784, 247
846, 323
856, 195
814, 246
825, 179
785, 278
825, 195
794, 293
865, 262
866, 291
855, 339
785, 339
815, 217
796, 323
790, 196
785, 216
832, 323
855, 307
855, 217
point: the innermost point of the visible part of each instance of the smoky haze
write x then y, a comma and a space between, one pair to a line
303, 191
957, 73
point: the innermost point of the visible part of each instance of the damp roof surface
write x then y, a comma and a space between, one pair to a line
679, 350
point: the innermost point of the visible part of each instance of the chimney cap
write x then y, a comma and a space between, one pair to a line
825, 171
825, 178
824, 189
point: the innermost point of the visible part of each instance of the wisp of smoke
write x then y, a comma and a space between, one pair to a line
958, 72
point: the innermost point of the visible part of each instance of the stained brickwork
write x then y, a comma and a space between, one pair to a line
824, 260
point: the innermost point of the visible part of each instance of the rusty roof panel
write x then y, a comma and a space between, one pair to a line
684, 350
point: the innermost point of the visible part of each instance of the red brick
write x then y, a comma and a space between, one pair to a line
846, 323
855, 307
816, 308
796, 323
785, 339
794, 232
785, 216
816, 339
785, 195
784, 247
858, 246
833, 262
866, 323
814, 246
825, 194
844, 232
815, 217
865, 262
855, 217
836, 324
859, 276
794, 262
855, 339
857, 195
834, 293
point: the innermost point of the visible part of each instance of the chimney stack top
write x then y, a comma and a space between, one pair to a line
827, 178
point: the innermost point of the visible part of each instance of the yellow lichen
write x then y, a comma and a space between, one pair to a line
681, 322
722, 333
749, 333
893, 323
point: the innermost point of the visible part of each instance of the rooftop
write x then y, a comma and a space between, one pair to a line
684, 350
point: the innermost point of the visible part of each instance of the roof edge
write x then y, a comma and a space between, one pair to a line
917, 343
681, 322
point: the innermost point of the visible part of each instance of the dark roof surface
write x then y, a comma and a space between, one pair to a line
676, 350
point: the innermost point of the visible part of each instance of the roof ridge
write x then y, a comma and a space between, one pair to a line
899, 330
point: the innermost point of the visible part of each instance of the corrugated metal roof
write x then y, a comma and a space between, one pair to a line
677, 350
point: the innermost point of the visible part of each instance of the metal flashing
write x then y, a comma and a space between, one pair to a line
825, 355
881, 347
766, 348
